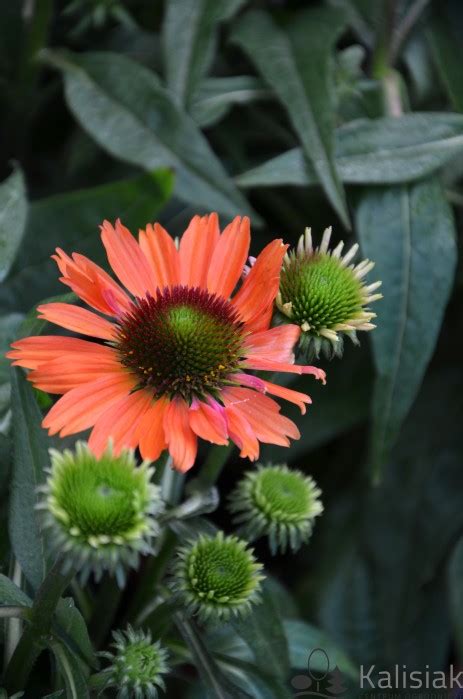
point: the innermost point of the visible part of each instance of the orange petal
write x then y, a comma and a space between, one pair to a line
300, 399
196, 249
91, 283
261, 284
161, 253
127, 259
80, 408
262, 414
262, 364
276, 344
229, 257
74, 369
120, 423
241, 433
262, 321
181, 439
31, 352
79, 320
209, 422
151, 431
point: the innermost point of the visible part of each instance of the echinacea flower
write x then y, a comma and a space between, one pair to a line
325, 295
137, 665
171, 363
276, 502
100, 512
217, 577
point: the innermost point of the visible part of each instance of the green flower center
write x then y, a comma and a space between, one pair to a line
140, 662
95, 498
221, 570
282, 495
183, 342
322, 292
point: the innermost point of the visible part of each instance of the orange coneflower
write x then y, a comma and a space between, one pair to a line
170, 366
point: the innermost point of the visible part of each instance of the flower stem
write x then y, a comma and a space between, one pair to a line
212, 467
32, 641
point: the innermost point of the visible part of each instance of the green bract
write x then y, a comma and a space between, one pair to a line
217, 577
99, 512
276, 502
137, 665
325, 295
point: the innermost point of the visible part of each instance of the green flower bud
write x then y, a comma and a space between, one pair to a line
100, 513
276, 502
325, 295
217, 577
137, 665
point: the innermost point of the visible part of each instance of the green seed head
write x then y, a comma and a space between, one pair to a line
217, 577
100, 512
137, 665
276, 502
325, 295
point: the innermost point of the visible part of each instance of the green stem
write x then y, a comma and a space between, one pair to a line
105, 609
32, 642
212, 467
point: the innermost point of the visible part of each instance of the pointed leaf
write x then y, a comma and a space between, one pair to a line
70, 670
381, 151
300, 72
122, 105
409, 232
13, 213
191, 26
11, 594
30, 459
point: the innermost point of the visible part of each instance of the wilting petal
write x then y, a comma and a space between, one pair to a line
127, 259
300, 399
80, 320
196, 249
91, 283
182, 441
162, 255
229, 257
242, 433
267, 365
209, 422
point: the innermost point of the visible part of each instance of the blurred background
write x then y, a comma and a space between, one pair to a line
297, 113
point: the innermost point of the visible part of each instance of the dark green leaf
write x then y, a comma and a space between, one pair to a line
191, 26
216, 96
214, 680
409, 232
264, 633
71, 221
257, 683
30, 459
72, 630
122, 105
300, 72
11, 594
9, 325
70, 670
446, 51
13, 214
378, 151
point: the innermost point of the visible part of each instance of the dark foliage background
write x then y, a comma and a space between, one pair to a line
343, 112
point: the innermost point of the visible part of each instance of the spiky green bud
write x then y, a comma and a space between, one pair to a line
325, 295
137, 665
217, 577
276, 502
100, 513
